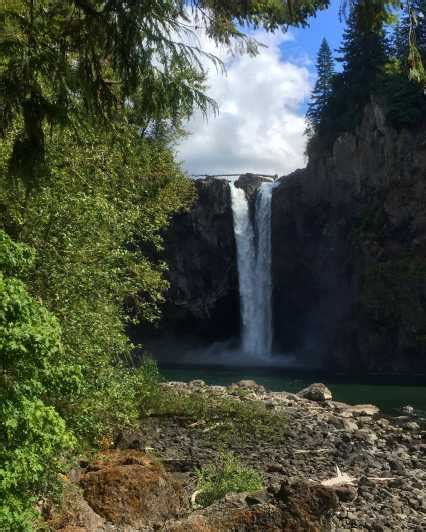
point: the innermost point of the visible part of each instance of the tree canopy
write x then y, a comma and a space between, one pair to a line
374, 63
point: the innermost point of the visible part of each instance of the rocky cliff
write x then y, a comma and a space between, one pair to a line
349, 251
349, 255
200, 249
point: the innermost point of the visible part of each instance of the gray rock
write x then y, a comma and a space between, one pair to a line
366, 435
343, 423
276, 468
364, 410
249, 384
197, 383
217, 390
257, 497
316, 392
346, 493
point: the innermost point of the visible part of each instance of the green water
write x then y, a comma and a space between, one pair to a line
389, 394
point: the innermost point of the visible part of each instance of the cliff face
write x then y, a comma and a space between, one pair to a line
200, 249
349, 255
349, 252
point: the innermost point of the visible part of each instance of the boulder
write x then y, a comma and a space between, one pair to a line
130, 488
364, 410
316, 392
306, 505
74, 514
251, 385
197, 383
230, 516
250, 183
296, 506
366, 436
343, 423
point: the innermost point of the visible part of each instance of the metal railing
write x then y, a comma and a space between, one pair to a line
275, 176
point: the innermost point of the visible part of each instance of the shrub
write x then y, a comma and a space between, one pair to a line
33, 437
226, 476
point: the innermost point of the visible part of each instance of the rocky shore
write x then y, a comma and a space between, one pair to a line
338, 467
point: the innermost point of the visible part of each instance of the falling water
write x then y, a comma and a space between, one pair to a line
254, 268
263, 277
246, 263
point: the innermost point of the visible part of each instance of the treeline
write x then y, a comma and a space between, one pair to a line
382, 60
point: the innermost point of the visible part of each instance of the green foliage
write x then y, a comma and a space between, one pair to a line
96, 221
33, 436
42, 385
223, 419
227, 475
405, 100
112, 401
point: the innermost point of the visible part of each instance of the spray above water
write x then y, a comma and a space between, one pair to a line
254, 268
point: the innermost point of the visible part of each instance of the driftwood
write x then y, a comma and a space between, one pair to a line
342, 479
194, 503
308, 451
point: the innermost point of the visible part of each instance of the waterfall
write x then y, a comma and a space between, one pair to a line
246, 263
263, 276
254, 268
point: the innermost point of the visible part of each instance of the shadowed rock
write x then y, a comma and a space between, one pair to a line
129, 488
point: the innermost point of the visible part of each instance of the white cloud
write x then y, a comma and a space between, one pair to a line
259, 127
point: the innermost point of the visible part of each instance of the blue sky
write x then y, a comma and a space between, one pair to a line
307, 40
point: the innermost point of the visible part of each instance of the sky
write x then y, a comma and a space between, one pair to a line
262, 101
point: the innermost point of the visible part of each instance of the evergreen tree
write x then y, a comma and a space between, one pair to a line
64, 61
322, 89
363, 56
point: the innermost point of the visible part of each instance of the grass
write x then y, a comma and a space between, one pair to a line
222, 419
225, 476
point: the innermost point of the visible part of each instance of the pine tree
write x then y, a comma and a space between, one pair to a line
322, 89
363, 55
